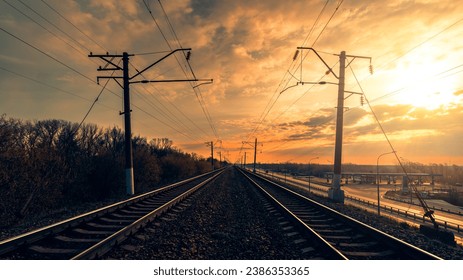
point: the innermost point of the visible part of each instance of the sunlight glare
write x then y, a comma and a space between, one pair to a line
422, 86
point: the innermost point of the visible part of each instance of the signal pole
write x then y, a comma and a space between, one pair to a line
126, 81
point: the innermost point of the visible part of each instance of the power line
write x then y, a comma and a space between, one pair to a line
72, 69
196, 90
177, 119
48, 30
65, 33
63, 17
329, 20
93, 104
49, 56
271, 104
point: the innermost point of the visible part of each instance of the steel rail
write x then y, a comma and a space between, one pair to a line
408, 250
108, 243
11, 244
329, 250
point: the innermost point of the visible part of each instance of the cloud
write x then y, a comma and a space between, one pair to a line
247, 48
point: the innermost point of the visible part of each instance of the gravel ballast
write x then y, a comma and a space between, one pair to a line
225, 220
228, 220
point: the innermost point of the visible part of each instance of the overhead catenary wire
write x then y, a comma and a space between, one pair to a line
166, 111
42, 26
48, 55
54, 25
94, 102
414, 48
70, 68
196, 89
80, 30
95, 42
277, 92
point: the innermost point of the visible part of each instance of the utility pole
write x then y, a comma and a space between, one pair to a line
211, 144
255, 152
111, 66
220, 159
129, 180
244, 160
126, 81
212, 155
335, 193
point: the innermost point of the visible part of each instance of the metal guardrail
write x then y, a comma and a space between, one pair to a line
393, 210
392, 241
409, 214
432, 207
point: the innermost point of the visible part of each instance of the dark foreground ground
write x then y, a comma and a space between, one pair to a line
227, 220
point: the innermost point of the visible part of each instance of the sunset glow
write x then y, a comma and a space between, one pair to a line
247, 48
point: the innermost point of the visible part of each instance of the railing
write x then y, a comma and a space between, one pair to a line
432, 207
393, 210
409, 214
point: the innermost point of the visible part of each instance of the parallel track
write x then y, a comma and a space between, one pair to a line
91, 235
348, 237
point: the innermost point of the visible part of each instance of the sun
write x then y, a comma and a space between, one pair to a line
429, 95
424, 84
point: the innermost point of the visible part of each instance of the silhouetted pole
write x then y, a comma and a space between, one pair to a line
126, 81
244, 160
212, 153
335, 192
255, 153
129, 180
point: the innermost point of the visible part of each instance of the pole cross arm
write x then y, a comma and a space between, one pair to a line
157, 61
351, 93
108, 77
171, 81
327, 66
357, 56
249, 143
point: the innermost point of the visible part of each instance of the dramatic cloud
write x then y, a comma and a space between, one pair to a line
247, 48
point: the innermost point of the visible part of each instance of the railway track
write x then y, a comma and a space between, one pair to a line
337, 235
91, 235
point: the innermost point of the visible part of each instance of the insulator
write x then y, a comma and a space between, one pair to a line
188, 54
362, 100
296, 54
371, 69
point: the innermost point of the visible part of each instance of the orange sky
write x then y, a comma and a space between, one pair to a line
247, 48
